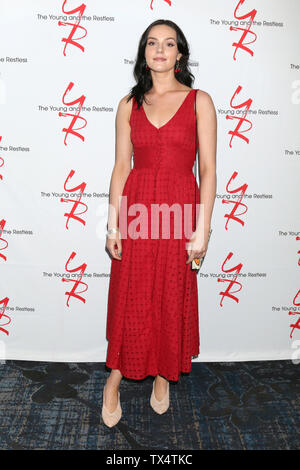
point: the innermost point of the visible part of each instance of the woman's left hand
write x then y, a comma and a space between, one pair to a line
197, 246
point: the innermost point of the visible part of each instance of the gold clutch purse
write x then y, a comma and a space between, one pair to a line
197, 262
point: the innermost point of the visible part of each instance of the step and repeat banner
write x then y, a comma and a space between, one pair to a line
64, 67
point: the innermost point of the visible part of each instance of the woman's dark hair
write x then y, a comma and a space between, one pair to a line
143, 76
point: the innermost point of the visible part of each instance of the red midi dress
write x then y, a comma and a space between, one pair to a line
152, 316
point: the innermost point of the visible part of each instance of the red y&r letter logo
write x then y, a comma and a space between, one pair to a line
2, 224
236, 132
167, 1
238, 203
76, 116
295, 326
71, 39
241, 44
72, 214
231, 282
80, 269
2, 314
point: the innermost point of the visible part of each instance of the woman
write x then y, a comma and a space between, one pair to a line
152, 319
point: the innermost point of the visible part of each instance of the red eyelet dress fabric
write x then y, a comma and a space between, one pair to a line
152, 317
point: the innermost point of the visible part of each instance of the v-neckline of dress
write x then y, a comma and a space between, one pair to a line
174, 115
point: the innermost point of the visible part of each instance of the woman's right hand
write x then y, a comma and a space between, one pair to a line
114, 245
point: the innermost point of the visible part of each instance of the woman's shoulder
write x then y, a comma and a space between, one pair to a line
203, 98
203, 95
204, 103
125, 102
125, 106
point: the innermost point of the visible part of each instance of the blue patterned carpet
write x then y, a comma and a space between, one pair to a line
238, 405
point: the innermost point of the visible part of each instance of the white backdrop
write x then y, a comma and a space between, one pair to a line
42, 226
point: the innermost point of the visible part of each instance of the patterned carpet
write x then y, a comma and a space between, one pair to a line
236, 405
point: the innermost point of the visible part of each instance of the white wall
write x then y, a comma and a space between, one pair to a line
43, 324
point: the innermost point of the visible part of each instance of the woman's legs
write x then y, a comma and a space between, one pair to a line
160, 387
111, 390
113, 383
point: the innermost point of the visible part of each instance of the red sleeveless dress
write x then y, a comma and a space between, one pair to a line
152, 318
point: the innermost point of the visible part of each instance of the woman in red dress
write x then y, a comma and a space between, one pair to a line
152, 317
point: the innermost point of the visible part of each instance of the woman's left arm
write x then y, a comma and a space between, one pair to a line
207, 135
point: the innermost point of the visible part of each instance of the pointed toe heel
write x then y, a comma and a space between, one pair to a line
161, 406
111, 418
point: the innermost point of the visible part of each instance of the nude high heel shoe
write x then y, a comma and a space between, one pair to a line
111, 419
161, 406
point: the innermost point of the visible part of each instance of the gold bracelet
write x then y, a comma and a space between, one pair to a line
112, 230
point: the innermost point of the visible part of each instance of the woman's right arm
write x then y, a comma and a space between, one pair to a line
121, 170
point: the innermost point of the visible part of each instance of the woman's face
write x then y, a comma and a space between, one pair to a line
161, 44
